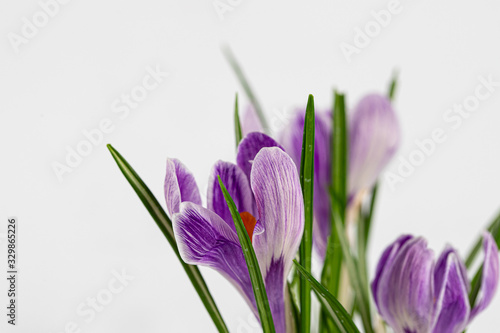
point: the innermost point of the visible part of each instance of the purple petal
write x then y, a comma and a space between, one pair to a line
441, 265
203, 238
276, 186
404, 292
385, 263
489, 279
249, 147
452, 299
250, 121
374, 136
275, 287
291, 138
179, 186
238, 187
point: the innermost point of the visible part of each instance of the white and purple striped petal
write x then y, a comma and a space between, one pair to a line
276, 187
179, 186
384, 265
414, 294
452, 309
374, 136
249, 147
405, 294
237, 185
203, 238
490, 275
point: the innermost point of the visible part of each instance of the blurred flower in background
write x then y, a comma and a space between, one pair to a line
374, 136
413, 293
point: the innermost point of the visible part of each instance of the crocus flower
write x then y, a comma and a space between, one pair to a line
266, 190
415, 294
373, 140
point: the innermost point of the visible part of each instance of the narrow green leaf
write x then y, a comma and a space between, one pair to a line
494, 229
330, 276
165, 226
364, 225
295, 307
246, 86
237, 124
340, 153
341, 319
393, 86
259, 288
363, 300
307, 184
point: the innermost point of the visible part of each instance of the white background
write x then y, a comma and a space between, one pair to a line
74, 233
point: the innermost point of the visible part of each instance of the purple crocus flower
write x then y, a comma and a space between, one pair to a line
373, 139
415, 294
266, 190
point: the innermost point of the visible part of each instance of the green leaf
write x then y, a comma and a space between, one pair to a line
259, 288
165, 226
246, 86
294, 307
307, 184
237, 124
340, 318
494, 229
363, 300
330, 276
364, 225
393, 85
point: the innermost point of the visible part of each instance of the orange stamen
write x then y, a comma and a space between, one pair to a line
249, 221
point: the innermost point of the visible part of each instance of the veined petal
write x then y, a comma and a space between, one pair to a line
275, 183
410, 309
249, 147
238, 187
489, 279
179, 186
452, 307
385, 264
292, 135
250, 121
203, 238
374, 136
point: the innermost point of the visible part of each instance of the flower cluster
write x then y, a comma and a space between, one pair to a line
415, 294
264, 207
